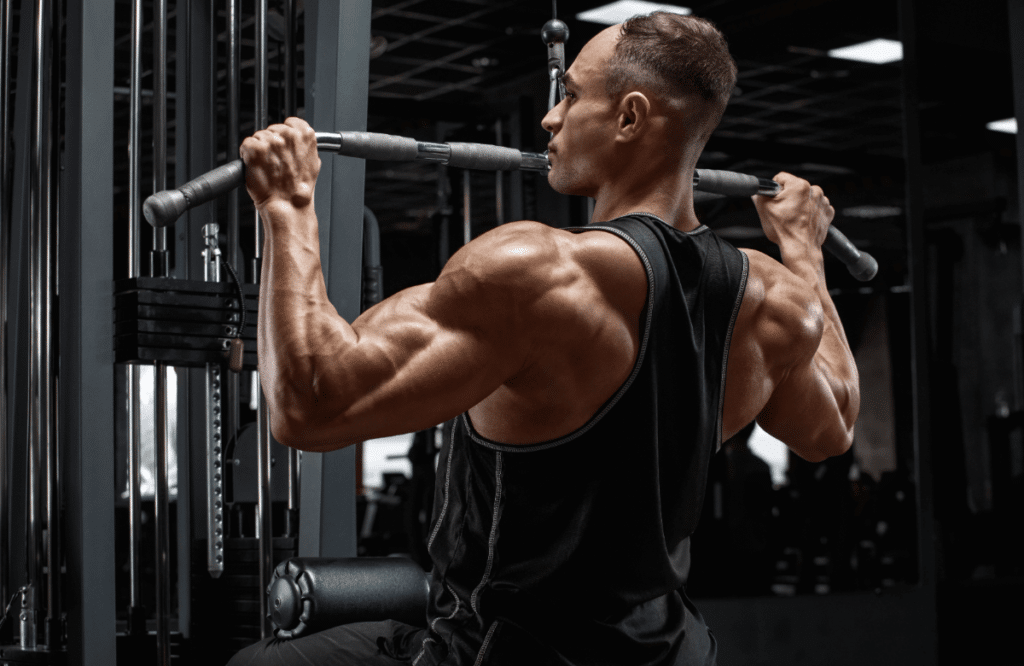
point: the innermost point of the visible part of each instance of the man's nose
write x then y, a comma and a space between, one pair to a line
551, 121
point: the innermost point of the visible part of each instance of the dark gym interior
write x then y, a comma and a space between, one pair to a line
144, 504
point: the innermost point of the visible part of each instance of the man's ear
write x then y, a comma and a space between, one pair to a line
634, 112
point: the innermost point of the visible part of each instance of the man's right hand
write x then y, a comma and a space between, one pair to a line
799, 212
281, 163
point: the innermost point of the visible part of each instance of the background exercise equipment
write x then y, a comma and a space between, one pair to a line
163, 208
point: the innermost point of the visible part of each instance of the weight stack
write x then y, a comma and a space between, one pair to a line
185, 323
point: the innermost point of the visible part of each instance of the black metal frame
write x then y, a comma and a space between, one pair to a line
337, 56
86, 331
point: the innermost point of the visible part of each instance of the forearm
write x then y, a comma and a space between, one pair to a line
833, 356
297, 323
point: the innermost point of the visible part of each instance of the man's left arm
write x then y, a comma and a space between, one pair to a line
412, 361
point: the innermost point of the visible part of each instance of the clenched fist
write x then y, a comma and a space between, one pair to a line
281, 164
800, 212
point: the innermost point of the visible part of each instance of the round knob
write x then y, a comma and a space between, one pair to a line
554, 32
286, 603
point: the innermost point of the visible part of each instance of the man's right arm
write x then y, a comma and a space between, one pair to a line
816, 399
794, 369
814, 407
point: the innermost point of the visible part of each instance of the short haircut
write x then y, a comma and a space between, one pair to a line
679, 57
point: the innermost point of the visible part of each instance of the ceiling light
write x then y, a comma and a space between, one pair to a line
1008, 125
877, 51
617, 12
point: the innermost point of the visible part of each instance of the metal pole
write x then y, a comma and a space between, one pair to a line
233, 129
234, 237
37, 283
136, 614
466, 192
499, 193
289, 57
49, 384
443, 192
290, 110
1015, 10
214, 456
161, 504
5, 205
263, 509
161, 508
87, 369
261, 101
159, 267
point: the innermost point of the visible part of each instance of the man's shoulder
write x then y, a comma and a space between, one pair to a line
514, 264
528, 249
779, 309
533, 260
511, 252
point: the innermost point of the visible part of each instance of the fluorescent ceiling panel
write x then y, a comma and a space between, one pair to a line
1008, 125
617, 12
877, 51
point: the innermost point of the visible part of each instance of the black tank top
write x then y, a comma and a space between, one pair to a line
575, 551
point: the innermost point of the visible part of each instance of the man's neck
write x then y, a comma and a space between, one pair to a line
669, 198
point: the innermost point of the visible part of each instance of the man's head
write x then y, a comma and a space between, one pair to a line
682, 60
648, 92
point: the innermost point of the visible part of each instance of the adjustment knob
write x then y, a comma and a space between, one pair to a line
554, 32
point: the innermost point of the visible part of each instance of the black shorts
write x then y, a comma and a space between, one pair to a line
387, 643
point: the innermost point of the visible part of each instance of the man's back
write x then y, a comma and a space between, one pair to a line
587, 334
575, 547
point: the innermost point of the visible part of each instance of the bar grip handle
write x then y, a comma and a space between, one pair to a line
163, 208
369, 145
728, 183
861, 265
484, 157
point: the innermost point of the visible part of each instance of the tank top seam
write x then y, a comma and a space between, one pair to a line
426, 639
728, 343
433, 625
492, 539
483, 647
447, 487
601, 413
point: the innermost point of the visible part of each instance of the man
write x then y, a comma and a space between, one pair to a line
593, 372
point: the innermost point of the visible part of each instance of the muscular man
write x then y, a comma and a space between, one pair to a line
592, 372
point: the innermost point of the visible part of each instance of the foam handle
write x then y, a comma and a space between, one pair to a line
373, 146
163, 208
484, 157
861, 264
308, 594
729, 183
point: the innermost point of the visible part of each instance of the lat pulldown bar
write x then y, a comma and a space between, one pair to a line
163, 208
